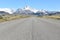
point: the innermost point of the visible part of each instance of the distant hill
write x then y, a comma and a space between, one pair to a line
4, 13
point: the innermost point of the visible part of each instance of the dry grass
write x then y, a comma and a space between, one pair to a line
52, 17
10, 17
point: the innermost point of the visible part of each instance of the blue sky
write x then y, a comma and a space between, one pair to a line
38, 4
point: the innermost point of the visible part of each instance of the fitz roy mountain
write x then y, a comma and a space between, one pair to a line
27, 11
30, 11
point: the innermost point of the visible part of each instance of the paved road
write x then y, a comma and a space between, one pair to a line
30, 29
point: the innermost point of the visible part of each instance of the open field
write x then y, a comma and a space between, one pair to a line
11, 17
57, 17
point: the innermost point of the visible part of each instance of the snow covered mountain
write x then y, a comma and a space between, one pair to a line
26, 10
29, 11
8, 10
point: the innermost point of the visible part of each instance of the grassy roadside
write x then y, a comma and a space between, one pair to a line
10, 17
52, 17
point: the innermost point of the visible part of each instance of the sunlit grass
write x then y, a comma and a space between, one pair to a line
52, 17
11, 17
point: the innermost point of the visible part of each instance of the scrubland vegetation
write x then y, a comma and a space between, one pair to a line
52, 17
11, 17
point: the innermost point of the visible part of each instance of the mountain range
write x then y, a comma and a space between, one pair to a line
27, 11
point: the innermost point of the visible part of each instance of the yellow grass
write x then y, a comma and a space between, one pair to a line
52, 17
8, 17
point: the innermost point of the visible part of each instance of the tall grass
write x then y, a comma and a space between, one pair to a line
11, 17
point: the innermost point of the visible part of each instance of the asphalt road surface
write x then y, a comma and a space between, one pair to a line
32, 28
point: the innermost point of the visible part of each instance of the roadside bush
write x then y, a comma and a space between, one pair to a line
1, 17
